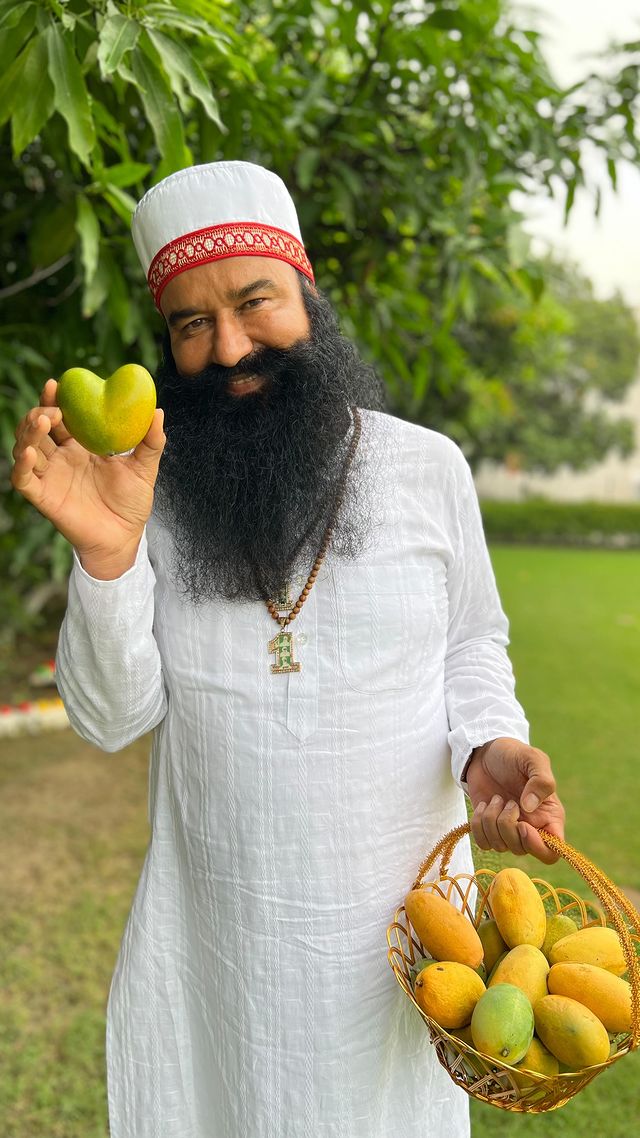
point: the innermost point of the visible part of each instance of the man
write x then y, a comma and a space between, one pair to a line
302, 608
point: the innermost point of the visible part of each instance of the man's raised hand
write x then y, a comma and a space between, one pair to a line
100, 504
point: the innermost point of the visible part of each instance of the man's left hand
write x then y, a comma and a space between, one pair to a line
512, 791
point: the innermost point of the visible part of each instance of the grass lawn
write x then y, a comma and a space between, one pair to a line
74, 832
575, 632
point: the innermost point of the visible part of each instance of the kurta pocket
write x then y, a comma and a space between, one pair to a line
389, 618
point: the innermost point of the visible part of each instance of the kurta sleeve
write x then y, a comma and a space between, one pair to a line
479, 681
108, 667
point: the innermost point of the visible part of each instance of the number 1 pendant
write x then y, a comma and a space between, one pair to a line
282, 645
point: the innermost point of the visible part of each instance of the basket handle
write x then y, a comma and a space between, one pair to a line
613, 900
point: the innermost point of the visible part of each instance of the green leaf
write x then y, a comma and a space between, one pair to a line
35, 106
206, 9
486, 269
448, 19
166, 15
306, 166
386, 132
571, 193
10, 85
126, 173
110, 132
118, 35
12, 39
12, 11
613, 172
88, 229
96, 291
70, 98
181, 66
122, 204
533, 281
53, 234
126, 73
175, 79
119, 303
161, 112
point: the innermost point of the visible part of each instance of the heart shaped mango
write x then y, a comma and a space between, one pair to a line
107, 416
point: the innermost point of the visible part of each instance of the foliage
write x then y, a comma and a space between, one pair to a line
401, 127
550, 372
539, 521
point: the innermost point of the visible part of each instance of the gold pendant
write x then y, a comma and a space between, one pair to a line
282, 645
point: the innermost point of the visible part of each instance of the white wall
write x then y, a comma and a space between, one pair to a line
614, 480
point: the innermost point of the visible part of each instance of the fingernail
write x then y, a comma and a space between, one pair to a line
496, 800
530, 803
511, 805
480, 807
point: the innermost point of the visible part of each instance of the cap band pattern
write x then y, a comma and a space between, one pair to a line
233, 239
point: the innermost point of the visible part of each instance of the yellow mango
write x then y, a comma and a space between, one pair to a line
442, 929
596, 945
539, 1059
517, 908
571, 1032
492, 943
606, 995
448, 992
526, 967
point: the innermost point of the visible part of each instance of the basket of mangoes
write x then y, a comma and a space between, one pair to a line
528, 991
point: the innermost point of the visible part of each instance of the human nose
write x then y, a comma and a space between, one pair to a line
230, 343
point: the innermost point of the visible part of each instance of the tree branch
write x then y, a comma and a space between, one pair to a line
36, 277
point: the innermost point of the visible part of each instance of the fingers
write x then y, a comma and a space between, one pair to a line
149, 451
540, 783
48, 397
33, 432
23, 477
494, 826
533, 844
48, 400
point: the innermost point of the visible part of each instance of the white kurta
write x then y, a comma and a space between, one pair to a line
252, 996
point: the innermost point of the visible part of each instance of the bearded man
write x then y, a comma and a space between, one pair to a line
297, 599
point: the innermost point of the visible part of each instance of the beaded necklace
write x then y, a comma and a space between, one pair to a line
282, 643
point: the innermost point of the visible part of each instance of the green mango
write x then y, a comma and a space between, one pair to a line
107, 416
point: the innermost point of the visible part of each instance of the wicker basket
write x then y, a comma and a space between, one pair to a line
488, 1079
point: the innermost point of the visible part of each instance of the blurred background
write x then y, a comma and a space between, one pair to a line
466, 176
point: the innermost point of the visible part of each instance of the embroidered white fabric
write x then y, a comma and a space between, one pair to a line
289, 814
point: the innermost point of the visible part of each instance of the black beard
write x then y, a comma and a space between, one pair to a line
248, 484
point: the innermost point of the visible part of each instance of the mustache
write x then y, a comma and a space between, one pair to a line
267, 362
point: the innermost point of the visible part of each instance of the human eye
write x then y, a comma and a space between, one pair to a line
255, 302
193, 325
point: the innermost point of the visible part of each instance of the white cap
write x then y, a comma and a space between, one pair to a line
205, 213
